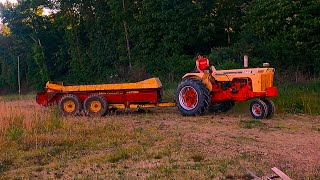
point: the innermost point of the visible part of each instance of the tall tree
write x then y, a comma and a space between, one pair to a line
285, 33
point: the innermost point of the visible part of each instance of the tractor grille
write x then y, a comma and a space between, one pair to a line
266, 81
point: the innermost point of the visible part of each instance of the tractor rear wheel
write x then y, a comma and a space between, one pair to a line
258, 109
271, 108
96, 105
69, 105
192, 97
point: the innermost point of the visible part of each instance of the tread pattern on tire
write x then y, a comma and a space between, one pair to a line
104, 105
75, 99
271, 107
203, 101
265, 109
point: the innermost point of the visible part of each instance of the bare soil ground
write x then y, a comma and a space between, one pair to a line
162, 144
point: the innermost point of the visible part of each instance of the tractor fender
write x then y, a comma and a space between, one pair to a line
193, 76
204, 77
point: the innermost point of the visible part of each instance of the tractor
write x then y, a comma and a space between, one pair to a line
218, 90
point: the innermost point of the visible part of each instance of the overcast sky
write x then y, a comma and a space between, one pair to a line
14, 1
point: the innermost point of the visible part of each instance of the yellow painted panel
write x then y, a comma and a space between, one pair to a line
262, 78
167, 104
153, 83
135, 106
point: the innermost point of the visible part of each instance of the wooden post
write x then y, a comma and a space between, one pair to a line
19, 85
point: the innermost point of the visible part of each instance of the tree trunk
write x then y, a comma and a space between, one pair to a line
125, 25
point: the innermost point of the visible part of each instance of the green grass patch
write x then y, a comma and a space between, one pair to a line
197, 157
299, 98
15, 97
4, 165
15, 133
250, 124
119, 154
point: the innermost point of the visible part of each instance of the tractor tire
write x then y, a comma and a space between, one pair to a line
192, 97
96, 105
69, 105
258, 109
222, 107
271, 108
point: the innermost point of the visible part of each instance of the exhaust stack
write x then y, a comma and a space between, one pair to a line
245, 61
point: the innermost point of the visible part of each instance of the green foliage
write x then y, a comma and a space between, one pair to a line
294, 98
285, 33
103, 41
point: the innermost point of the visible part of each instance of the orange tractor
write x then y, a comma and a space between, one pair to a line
219, 90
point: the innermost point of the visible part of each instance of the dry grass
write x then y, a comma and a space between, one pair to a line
36, 142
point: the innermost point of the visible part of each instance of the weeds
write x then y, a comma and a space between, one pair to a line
160, 153
15, 133
316, 128
223, 164
119, 154
250, 124
197, 157
299, 98
4, 165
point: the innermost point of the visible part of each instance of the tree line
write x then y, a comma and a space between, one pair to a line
105, 41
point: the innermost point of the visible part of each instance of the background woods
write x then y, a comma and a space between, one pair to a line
101, 41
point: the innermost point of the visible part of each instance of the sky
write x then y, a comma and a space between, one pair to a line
46, 10
12, 1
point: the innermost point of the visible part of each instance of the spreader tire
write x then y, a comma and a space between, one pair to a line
271, 108
69, 105
96, 105
258, 109
192, 97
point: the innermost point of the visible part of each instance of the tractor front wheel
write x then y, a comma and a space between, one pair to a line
69, 105
271, 108
96, 105
192, 97
258, 109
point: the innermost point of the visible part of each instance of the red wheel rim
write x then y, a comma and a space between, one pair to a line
188, 98
256, 110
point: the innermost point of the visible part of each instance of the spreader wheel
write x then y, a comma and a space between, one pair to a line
192, 97
69, 105
258, 109
271, 108
96, 105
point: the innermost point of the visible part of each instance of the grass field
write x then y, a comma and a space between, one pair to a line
37, 143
